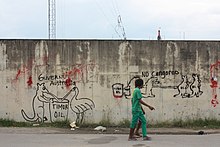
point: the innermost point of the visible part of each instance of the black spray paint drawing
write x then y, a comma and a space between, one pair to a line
189, 88
119, 90
41, 98
58, 108
149, 85
185, 89
80, 105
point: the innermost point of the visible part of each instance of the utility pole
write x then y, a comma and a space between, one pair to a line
52, 19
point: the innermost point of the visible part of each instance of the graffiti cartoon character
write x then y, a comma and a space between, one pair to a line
41, 97
195, 86
148, 87
183, 87
80, 105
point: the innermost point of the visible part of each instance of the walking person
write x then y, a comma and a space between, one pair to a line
137, 113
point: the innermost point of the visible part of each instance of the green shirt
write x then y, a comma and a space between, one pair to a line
135, 101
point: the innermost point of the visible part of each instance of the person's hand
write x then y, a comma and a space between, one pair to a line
151, 108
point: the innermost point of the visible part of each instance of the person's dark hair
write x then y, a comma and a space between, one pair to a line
139, 83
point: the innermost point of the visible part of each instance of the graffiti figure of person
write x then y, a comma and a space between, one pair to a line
214, 86
137, 113
214, 82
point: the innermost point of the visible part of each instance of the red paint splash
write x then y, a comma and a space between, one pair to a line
117, 96
75, 73
30, 82
68, 82
214, 83
214, 101
18, 74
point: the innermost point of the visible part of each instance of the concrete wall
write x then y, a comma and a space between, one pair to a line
92, 80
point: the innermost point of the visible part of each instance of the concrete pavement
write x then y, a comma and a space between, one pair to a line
56, 137
50, 130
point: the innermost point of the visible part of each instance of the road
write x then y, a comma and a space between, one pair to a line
17, 139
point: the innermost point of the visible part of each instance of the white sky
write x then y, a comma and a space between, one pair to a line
98, 19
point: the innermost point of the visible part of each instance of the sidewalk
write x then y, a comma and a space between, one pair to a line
167, 131
49, 130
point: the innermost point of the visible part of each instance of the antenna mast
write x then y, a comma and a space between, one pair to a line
52, 19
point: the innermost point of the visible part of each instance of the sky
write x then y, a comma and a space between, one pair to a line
112, 19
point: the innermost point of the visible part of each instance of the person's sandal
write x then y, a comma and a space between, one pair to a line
132, 139
146, 138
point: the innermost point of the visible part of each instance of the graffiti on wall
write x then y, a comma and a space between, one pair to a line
119, 90
56, 80
46, 106
82, 72
214, 82
25, 70
79, 73
161, 74
44, 102
189, 86
22, 71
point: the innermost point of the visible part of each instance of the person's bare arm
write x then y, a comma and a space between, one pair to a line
145, 104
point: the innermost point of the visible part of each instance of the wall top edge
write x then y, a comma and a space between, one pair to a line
109, 40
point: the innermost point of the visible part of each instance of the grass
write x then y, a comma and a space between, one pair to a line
57, 124
12, 123
199, 123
